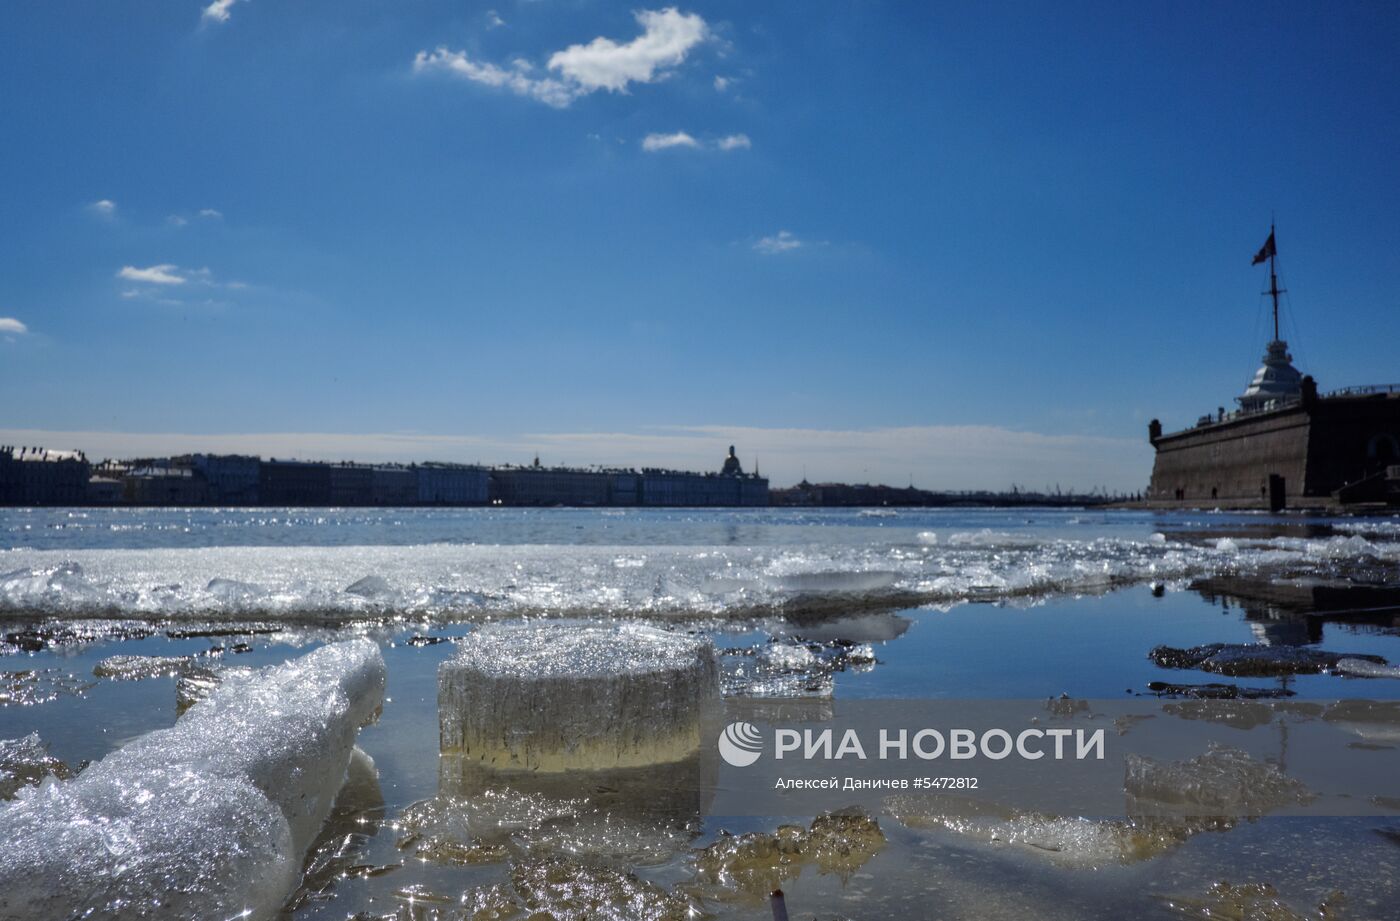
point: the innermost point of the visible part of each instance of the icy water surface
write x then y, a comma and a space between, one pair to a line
805, 607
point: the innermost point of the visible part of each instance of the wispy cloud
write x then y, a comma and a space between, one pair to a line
104, 208
203, 214
494, 20
163, 274
722, 84
519, 78
169, 285
667, 38
11, 326
654, 142
781, 242
657, 141
218, 11
936, 456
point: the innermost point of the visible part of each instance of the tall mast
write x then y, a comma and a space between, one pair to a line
1273, 276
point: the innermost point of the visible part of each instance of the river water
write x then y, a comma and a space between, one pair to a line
981, 604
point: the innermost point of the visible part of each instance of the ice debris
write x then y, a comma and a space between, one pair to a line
1168, 803
555, 889
25, 762
1213, 691
370, 587
30, 686
1250, 902
199, 682
209, 818
1222, 782
1376, 721
755, 863
637, 816
1361, 668
792, 667
134, 668
565, 697
1253, 660
1068, 841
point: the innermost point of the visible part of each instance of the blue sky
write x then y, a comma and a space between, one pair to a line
971, 244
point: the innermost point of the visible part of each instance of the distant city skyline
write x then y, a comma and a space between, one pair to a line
969, 246
964, 457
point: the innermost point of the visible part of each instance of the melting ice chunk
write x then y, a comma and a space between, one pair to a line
370, 587
562, 697
209, 818
27, 761
1361, 668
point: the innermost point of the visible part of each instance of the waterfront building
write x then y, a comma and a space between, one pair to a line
538, 485
452, 484
39, 476
105, 490
730, 487
624, 487
290, 482
351, 484
232, 478
1287, 445
393, 485
165, 485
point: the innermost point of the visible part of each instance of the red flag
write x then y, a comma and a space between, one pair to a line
1265, 251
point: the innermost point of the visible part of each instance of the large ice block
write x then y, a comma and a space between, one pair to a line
209, 818
563, 697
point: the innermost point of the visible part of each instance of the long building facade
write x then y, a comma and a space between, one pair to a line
41, 477
651, 487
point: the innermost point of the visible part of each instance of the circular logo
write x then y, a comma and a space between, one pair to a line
740, 744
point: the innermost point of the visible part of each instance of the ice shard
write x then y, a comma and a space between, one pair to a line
210, 818
563, 697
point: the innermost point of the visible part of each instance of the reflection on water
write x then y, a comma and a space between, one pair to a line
338, 851
630, 817
809, 609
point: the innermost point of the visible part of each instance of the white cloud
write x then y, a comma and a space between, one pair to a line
722, 84
494, 20
517, 79
164, 274
937, 456
667, 37
177, 220
218, 11
657, 141
654, 142
11, 325
781, 242
212, 213
104, 207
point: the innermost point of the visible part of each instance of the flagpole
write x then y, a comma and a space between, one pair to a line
1273, 275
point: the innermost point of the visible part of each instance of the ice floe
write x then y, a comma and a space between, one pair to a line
209, 818
444, 580
561, 697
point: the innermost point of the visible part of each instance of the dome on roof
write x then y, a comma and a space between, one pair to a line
1276, 381
731, 465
